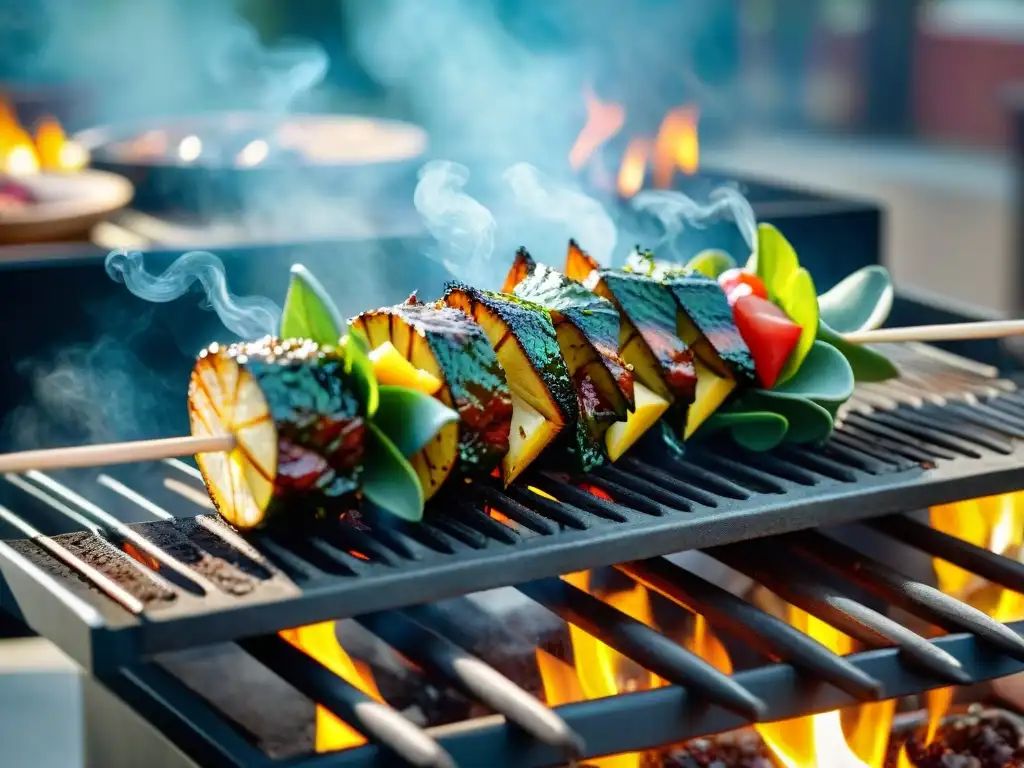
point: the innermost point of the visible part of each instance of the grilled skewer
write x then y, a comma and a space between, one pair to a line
286, 420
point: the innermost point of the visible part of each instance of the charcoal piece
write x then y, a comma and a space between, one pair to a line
977, 739
117, 566
742, 749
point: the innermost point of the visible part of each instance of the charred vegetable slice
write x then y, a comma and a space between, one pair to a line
587, 327
524, 338
712, 390
443, 345
299, 426
705, 320
648, 340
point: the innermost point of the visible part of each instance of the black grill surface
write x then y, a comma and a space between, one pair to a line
126, 563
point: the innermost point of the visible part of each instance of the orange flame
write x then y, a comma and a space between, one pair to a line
634, 167
995, 523
320, 642
600, 671
675, 148
604, 120
51, 150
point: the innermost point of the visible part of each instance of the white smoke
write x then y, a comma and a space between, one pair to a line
463, 228
248, 317
675, 211
583, 218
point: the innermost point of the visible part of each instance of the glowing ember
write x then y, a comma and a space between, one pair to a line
51, 150
320, 642
676, 147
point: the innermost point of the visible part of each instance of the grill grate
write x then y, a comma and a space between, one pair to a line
107, 567
806, 679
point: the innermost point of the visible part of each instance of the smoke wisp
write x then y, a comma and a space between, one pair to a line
676, 211
463, 227
582, 217
248, 317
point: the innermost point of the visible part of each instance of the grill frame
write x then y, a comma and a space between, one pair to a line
752, 496
104, 639
626, 722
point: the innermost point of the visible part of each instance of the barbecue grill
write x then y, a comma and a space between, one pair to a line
127, 567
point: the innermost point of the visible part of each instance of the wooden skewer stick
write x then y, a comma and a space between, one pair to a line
113, 453
988, 329
177, 447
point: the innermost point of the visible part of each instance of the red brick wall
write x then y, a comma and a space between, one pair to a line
958, 84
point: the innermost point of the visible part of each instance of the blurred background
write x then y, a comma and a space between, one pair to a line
906, 102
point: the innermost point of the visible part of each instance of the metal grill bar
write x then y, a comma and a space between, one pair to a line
442, 658
377, 722
646, 646
761, 631
913, 596
797, 583
989, 565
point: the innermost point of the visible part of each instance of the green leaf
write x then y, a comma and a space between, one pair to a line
825, 378
808, 422
388, 480
711, 262
799, 300
360, 367
774, 261
753, 430
409, 418
309, 312
860, 302
867, 364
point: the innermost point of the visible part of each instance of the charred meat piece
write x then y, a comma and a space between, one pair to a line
297, 421
526, 342
444, 344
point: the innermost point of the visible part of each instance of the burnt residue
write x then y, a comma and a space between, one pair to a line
118, 566
200, 549
68, 578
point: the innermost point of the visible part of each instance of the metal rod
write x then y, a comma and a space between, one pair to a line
763, 632
175, 571
644, 645
633, 722
378, 722
104, 584
794, 583
473, 677
989, 565
912, 596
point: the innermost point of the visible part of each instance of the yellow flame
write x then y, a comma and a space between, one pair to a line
320, 641
818, 741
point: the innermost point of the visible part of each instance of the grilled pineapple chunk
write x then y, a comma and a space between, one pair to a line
623, 434
391, 368
443, 345
712, 390
525, 341
287, 456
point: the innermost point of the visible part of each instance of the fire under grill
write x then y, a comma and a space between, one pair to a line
120, 567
